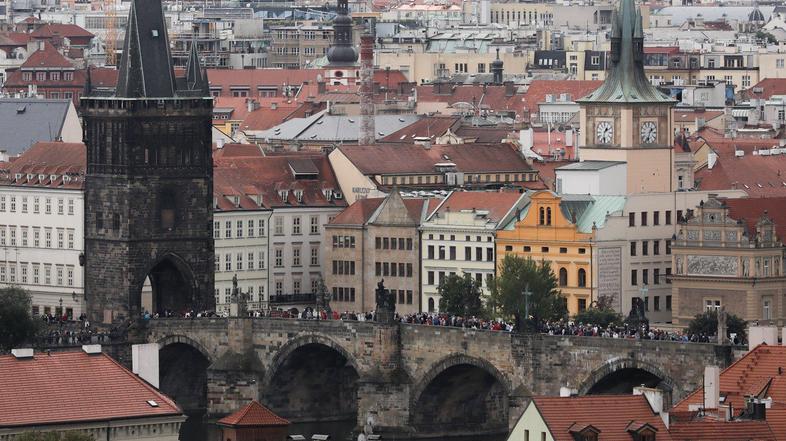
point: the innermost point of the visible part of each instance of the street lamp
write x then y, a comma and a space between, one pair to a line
527, 293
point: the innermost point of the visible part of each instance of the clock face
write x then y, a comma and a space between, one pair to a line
649, 132
604, 132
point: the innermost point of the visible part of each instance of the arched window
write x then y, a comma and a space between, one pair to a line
548, 216
582, 277
431, 304
542, 220
167, 211
563, 277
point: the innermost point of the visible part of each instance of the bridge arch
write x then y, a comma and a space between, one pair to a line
171, 282
183, 364
312, 378
625, 373
460, 393
177, 338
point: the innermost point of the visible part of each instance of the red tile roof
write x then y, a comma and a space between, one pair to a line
538, 89
492, 97
46, 57
753, 209
68, 387
237, 150
103, 77
498, 204
690, 115
360, 212
485, 135
721, 431
768, 86
384, 159
48, 158
255, 415
661, 50
611, 414
248, 177
60, 30
757, 373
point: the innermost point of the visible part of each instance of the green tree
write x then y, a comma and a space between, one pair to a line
460, 295
600, 313
54, 436
766, 36
518, 275
17, 326
707, 324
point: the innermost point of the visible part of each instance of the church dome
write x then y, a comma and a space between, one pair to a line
756, 15
342, 55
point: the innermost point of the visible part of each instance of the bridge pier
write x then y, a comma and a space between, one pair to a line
388, 405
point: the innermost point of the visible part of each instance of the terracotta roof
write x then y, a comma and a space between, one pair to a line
751, 210
60, 30
768, 86
384, 159
48, 158
484, 135
46, 57
250, 177
757, 372
721, 431
546, 172
265, 118
360, 212
690, 115
611, 414
253, 414
103, 77
661, 50
498, 204
15, 39
67, 387
491, 97
237, 150
538, 89
430, 127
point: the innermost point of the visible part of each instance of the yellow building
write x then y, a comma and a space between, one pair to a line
560, 230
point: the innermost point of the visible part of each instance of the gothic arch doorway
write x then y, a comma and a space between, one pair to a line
167, 286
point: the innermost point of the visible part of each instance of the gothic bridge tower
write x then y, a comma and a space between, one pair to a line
149, 183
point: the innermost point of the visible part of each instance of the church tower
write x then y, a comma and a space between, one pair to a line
628, 119
149, 182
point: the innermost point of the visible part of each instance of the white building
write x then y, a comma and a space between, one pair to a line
458, 237
592, 177
41, 226
269, 218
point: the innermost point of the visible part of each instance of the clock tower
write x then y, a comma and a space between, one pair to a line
627, 119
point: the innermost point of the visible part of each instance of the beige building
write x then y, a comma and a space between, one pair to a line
729, 253
371, 241
422, 67
292, 47
522, 14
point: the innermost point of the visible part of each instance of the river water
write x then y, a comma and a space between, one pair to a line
196, 429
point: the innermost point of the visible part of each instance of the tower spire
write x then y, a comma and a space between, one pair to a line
196, 77
146, 68
626, 81
342, 52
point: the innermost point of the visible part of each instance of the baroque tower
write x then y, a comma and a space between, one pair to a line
627, 118
149, 182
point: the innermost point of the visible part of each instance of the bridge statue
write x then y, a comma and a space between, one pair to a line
386, 304
722, 327
637, 317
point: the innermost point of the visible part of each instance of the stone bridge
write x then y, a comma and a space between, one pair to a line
415, 380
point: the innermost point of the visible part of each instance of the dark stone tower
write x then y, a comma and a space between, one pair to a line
149, 183
497, 69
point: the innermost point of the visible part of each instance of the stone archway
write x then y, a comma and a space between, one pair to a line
620, 375
460, 394
312, 378
172, 283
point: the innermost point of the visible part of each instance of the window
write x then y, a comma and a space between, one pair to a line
296, 256
40, 76
278, 226
634, 277
251, 261
314, 225
60, 206
228, 229
582, 278
643, 218
228, 262
632, 248
49, 207
544, 249
240, 228
479, 254
430, 251
261, 229
668, 273
582, 304
314, 256
656, 218
216, 230
645, 248
239, 263
668, 303
712, 305
668, 246
296, 225
452, 250
563, 277
261, 264
645, 273
631, 219
668, 217
60, 237
563, 250
489, 254
467, 253
430, 278
68, 76
656, 276
279, 256
48, 236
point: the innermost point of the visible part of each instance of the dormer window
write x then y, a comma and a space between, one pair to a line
215, 202
40, 76
27, 76
53, 178
327, 193
284, 194
68, 76
299, 195
54, 76
18, 176
236, 201
30, 177
41, 178
584, 432
642, 431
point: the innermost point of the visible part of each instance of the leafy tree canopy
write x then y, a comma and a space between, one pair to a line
17, 326
460, 295
707, 324
601, 314
517, 275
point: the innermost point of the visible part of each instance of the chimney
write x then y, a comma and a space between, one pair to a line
526, 138
4, 155
510, 88
569, 138
144, 362
756, 408
251, 104
654, 397
762, 334
273, 106
367, 133
91, 349
565, 391
711, 387
22, 353
321, 87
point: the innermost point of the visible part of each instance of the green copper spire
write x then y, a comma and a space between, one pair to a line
626, 81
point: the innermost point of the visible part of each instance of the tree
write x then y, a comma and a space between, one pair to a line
707, 324
460, 295
600, 313
518, 275
54, 436
766, 36
17, 326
